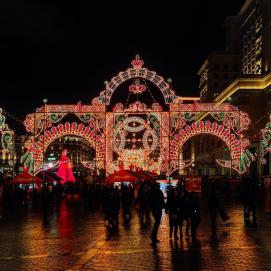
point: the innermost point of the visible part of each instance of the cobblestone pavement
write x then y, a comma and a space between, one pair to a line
74, 237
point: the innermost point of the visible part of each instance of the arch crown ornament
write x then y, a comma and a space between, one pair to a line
136, 71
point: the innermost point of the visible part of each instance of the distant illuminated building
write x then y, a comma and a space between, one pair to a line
248, 34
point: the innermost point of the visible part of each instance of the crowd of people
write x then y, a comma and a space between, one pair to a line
181, 206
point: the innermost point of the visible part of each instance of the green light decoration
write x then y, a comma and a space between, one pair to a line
245, 159
188, 116
266, 138
7, 140
219, 116
56, 117
7, 135
27, 160
86, 117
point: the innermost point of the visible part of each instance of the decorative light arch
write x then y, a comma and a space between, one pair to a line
235, 145
33, 158
7, 135
226, 122
137, 71
266, 138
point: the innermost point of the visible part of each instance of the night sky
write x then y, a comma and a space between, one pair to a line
65, 51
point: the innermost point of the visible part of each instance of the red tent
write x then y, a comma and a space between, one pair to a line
122, 176
141, 175
26, 178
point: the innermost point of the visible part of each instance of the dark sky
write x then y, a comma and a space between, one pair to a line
65, 51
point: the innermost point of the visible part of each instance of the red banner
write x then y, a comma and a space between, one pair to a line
193, 184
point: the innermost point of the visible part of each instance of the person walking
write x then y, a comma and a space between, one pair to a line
213, 206
157, 205
144, 203
115, 205
172, 209
184, 213
194, 213
249, 197
126, 202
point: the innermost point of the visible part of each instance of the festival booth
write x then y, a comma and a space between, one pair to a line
122, 176
25, 179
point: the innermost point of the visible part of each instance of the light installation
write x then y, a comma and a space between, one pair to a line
46, 129
136, 71
64, 170
225, 121
139, 136
7, 135
266, 138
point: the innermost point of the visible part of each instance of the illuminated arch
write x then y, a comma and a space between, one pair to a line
266, 138
33, 158
238, 148
6, 134
135, 72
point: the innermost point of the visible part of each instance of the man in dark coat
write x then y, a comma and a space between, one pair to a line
157, 205
213, 206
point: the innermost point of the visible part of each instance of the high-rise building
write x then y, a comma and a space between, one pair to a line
247, 50
250, 31
217, 72
248, 34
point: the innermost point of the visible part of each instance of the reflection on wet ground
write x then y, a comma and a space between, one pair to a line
71, 236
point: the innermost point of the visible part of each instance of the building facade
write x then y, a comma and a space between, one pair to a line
217, 72
248, 34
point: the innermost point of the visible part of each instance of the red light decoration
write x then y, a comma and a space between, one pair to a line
137, 71
137, 135
7, 135
137, 88
35, 150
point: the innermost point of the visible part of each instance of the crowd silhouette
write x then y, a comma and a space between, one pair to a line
182, 207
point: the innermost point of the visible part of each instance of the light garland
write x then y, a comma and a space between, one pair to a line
135, 129
35, 150
137, 88
148, 133
7, 135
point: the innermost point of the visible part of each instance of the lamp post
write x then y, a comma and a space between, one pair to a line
43, 152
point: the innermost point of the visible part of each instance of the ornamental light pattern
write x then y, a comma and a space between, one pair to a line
137, 135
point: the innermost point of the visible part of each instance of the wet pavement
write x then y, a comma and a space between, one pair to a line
73, 237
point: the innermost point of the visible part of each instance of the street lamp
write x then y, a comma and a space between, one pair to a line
45, 100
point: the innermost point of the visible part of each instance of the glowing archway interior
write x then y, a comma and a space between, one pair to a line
137, 71
33, 159
224, 121
213, 128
